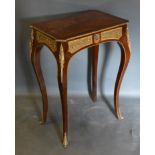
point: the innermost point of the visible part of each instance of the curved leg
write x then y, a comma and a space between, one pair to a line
94, 71
125, 56
62, 81
35, 58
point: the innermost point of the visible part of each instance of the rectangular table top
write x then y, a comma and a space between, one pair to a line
79, 24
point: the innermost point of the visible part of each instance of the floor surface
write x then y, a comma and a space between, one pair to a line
93, 128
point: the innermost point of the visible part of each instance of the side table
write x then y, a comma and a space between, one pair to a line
65, 37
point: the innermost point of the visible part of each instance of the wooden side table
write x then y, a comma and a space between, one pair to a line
67, 36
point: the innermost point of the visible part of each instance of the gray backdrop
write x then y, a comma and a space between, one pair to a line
28, 11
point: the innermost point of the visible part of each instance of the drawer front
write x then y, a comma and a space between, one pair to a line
80, 43
111, 34
77, 44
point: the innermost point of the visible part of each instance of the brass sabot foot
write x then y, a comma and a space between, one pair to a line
120, 116
41, 122
65, 140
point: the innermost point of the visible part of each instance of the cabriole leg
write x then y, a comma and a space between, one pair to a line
35, 58
125, 56
62, 81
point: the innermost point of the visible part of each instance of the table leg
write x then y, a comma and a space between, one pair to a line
125, 56
35, 58
94, 71
62, 82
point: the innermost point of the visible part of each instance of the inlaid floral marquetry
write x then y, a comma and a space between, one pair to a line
50, 42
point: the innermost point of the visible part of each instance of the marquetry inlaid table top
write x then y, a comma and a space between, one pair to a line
82, 23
